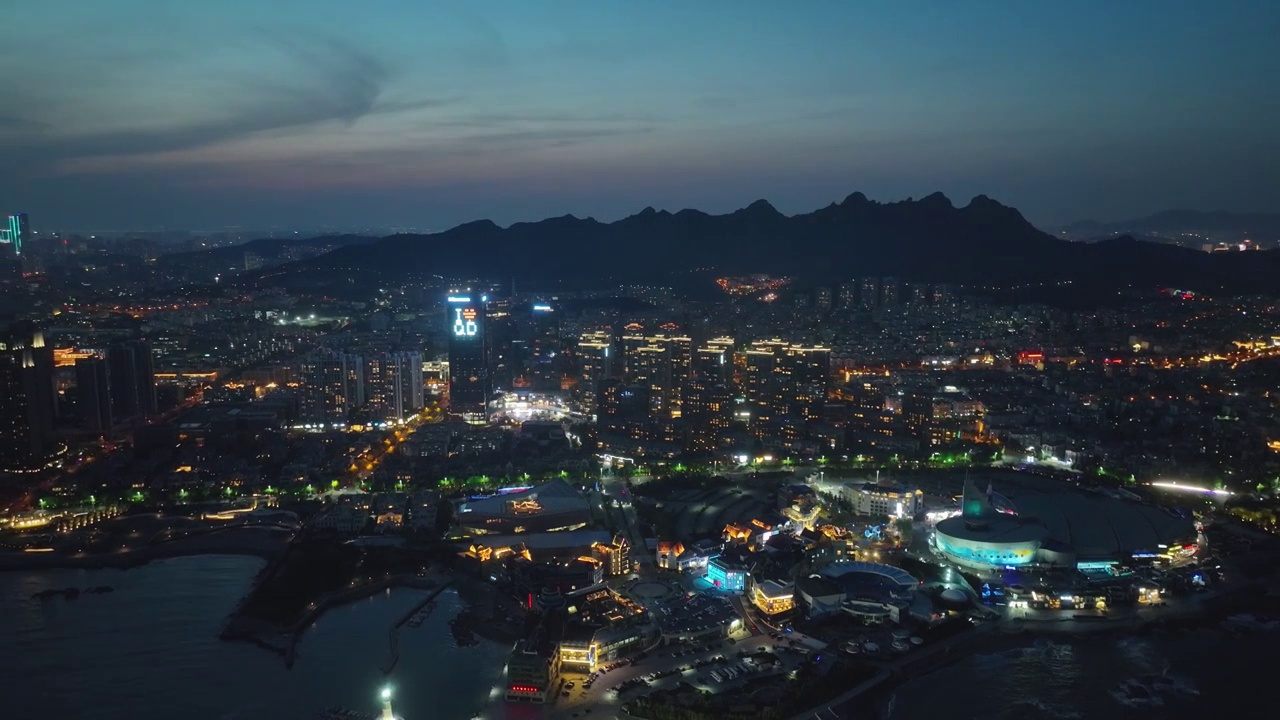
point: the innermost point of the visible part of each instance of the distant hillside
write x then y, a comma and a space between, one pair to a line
1219, 226
982, 243
272, 251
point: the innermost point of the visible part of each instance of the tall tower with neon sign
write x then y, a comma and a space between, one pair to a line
16, 231
468, 353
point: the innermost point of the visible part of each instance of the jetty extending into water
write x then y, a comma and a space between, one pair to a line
425, 607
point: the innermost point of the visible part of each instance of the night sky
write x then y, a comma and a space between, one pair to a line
131, 114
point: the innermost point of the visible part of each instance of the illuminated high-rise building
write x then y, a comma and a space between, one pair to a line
847, 296
804, 380
16, 232
595, 366
465, 323
661, 361
869, 293
712, 364
650, 366
393, 385
708, 408
333, 386
26, 399
890, 291
543, 359
822, 298
503, 347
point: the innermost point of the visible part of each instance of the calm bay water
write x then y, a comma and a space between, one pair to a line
150, 650
1206, 672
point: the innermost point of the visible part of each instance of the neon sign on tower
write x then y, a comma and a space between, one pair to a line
464, 322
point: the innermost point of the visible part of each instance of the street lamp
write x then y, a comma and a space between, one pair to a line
387, 714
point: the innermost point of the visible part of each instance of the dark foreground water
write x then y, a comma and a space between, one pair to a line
150, 651
1204, 673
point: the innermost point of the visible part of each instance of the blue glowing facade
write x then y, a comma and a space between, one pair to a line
984, 555
725, 576
16, 232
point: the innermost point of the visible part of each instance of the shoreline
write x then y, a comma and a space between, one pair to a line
283, 639
262, 542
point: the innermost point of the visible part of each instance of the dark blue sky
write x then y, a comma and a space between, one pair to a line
137, 114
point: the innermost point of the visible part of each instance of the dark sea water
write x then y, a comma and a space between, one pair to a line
1206, 672
150, 651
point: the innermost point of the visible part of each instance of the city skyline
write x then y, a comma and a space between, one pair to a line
199, 116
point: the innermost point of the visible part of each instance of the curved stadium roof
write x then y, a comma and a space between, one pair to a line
1101, 526
897, 575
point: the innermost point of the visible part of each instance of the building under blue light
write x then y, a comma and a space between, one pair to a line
726, 576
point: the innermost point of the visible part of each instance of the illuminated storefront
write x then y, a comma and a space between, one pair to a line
726, 576
772, 598
578, 656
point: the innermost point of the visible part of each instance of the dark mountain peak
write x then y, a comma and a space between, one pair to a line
648, 213
937, 200
759, 208
929, 240
980, 201
478, 225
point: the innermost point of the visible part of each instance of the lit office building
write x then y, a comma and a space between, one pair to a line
465, 323
502, 346
872, 500
650, 366
713, 361
615, 556
890, 291
534, 669
708, 407
822, 298
847, 296
393, 384
624, 409
869, 293
805, 372
26, 399
662, 362
333, 386
542, 362
595, 366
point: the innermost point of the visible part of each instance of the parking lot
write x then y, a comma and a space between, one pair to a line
604, 692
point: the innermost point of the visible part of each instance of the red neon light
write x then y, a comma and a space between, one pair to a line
530, 601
